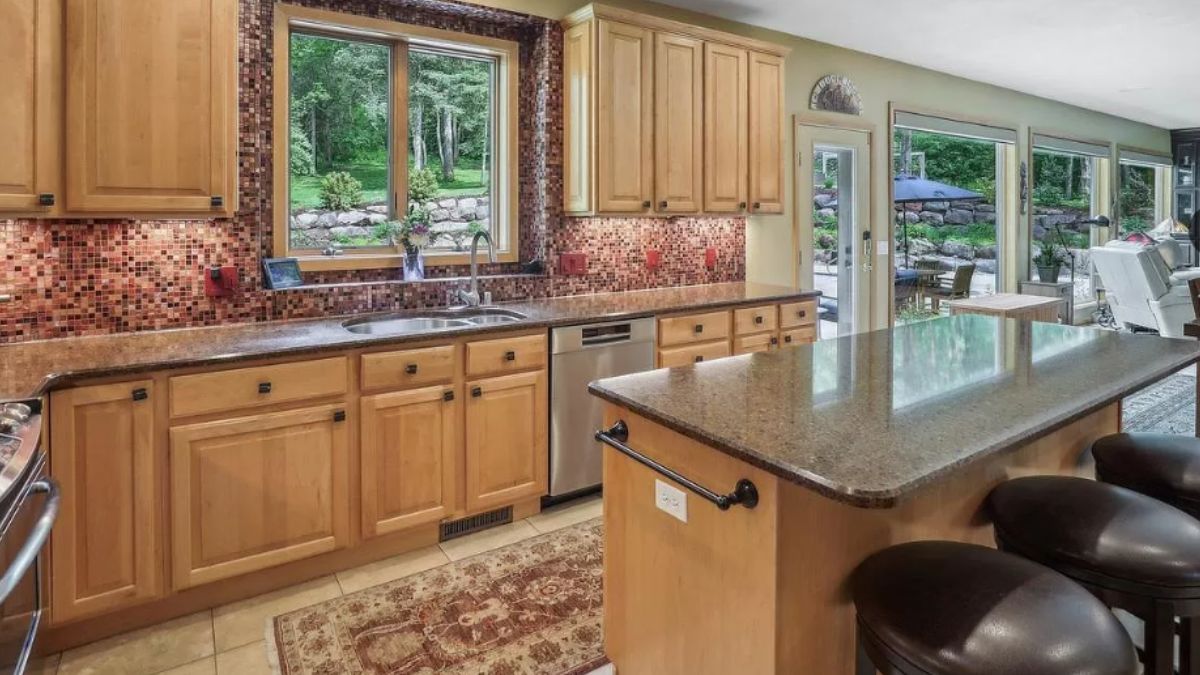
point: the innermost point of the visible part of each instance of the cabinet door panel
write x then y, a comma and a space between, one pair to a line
254, 492
30, 77
151, 108
506, 439
766, 133
410, 441
625, 142
106, 548
725, 128
678, 132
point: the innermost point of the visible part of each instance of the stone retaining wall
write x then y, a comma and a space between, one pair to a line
452, 216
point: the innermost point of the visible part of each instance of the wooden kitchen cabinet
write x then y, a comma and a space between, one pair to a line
669, 357
106, 546
31, 115
625, 120
410, 443
766, 133
679, 128
752, 344
151, 106
506, 440
725, 129
258, 491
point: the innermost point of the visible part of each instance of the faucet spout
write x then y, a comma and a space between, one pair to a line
471, 297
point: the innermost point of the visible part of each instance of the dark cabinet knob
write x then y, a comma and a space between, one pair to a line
140, 394
787, 338
646, 204
757, 205
699, 328
758, 320
476, 392
339, 416
46, 199
699, 359
510, 356
662, 204
264, 387
774, 340
802, 313
448, 396
741, 205
411, 369
217, 201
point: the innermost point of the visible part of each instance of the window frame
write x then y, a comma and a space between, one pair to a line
1164, 181
505, 187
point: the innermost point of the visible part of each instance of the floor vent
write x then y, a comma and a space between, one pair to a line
482, 521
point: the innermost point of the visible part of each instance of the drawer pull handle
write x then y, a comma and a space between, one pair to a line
339, 416
46, 199
744, 493
699, 328
448, 396
510, 356
140, 394
216, 202
699, 359
758, 319
802, 314
476, 392
264, 387
411, 369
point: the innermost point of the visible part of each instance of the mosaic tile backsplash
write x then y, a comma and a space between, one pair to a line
82, 277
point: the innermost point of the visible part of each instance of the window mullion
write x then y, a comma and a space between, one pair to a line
399, 153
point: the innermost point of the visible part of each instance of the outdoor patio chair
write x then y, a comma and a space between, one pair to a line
906, 288
958, 287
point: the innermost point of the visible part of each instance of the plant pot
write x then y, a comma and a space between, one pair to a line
414, 266
1048, 275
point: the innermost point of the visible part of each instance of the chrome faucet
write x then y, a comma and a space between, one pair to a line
471, 298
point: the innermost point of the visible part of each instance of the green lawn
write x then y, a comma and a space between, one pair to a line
306, 190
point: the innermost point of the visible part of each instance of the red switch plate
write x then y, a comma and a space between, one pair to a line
220, 282
573, 264
653, 259
710, 258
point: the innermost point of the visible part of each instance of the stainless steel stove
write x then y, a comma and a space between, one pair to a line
29, 502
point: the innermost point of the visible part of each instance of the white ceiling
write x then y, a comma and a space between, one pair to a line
1138, 59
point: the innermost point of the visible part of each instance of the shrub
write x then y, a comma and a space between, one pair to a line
300, 155
340, 191
422, 185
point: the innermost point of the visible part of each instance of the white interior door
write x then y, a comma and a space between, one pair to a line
833, 207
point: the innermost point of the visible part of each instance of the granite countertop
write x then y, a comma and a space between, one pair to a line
29, 369
867, 419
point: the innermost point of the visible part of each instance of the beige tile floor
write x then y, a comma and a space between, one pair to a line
230, 639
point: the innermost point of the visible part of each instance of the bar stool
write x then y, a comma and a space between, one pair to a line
1162, 466
948, 608
1129, 550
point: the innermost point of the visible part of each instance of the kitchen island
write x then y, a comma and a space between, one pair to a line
851, 445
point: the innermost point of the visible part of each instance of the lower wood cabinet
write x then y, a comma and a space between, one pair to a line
107, 543
409, 445
799, 336
751, 344
506, 439
670, 357
257, 491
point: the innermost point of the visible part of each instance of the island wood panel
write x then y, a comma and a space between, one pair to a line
766, 145
789, 597
625, 119
30, 118
409, 368
255, 492
409, 444
726, 156
506, 439
578, 117
106, 546
679, 130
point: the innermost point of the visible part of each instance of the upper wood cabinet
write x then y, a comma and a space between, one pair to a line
107, 544
766, 133
663, 118
678, 131
30, 117
151, 106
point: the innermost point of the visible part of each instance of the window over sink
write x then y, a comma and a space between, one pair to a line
382, 120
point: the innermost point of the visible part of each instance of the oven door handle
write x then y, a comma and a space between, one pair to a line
37, 538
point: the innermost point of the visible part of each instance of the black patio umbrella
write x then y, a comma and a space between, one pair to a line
911, 189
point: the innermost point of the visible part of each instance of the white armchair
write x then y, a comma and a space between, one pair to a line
1140, 288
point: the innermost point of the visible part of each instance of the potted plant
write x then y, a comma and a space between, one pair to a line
1048, 261
414, 233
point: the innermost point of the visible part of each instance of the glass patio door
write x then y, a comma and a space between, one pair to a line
834, 203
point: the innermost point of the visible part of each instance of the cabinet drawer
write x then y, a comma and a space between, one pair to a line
755, 320
749, 344
800, 336
409, 368
682, 356
262, 385
506, 355
794, 314
682, 330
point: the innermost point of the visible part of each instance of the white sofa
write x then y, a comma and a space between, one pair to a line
1142, 290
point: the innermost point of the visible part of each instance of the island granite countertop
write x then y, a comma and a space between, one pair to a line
29, 369
869, 418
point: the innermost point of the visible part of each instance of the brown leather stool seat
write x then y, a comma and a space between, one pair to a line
947, 608
1162, 466
1132, 551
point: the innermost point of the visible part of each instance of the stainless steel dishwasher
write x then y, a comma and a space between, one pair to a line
582, 354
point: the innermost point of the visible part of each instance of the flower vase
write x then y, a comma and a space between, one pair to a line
414, 265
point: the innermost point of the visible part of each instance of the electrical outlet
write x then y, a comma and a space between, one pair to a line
653, 258
710, 258
671, 500
573, 264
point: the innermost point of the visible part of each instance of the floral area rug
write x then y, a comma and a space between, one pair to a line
1167, 407
532, 608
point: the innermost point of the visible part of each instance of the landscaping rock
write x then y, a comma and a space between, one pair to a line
911, 218
959, 217
339, 232
824, 201
447, 203
352, 218
985, 266
940, 207
931, 218
985, 217
986, 208
986, 252
377, 218
920, 247
958, 250
468, 203
328, 219
305, 221
482, 211
827, 213
914, 207
439, 215
378, 208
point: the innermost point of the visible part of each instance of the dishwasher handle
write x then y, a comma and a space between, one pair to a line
593, 336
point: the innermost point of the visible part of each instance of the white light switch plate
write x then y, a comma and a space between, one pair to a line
881, 247
670, 499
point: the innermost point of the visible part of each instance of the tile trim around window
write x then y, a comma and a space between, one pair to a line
506, 179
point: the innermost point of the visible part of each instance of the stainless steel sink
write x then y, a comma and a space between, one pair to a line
433, 320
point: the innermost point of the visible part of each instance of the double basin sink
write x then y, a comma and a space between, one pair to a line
433, 320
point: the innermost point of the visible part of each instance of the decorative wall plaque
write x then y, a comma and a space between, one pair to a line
836, 93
